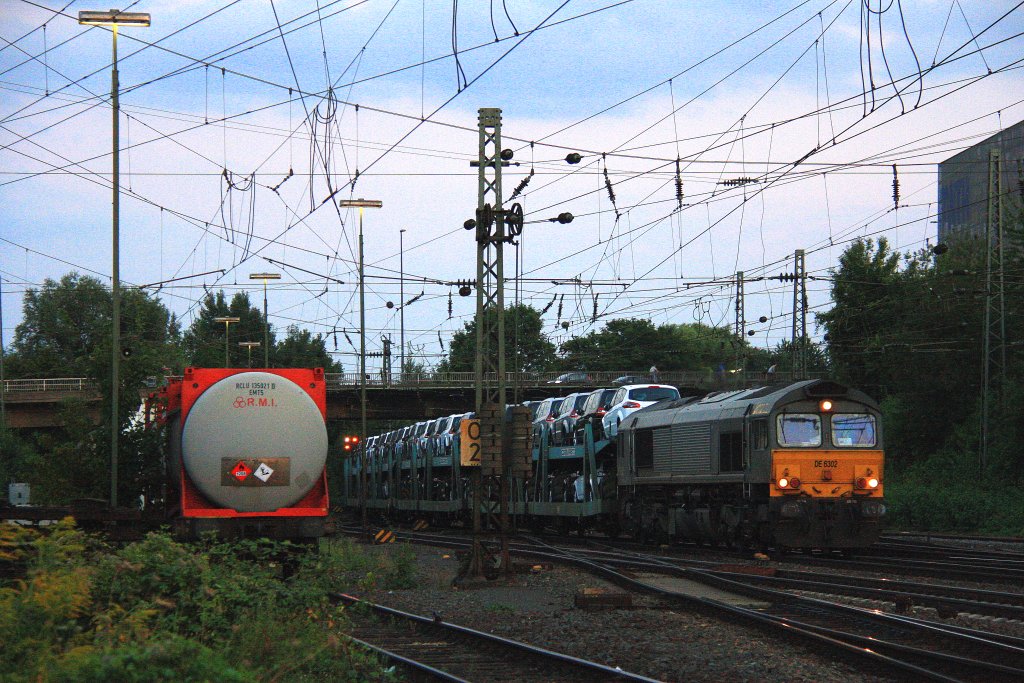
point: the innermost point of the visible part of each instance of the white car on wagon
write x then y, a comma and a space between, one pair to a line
632, 397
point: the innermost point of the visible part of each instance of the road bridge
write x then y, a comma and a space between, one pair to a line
37, 403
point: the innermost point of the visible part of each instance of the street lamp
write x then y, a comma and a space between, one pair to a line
249, 346
227, 320
266, 320
362, 204
115, 18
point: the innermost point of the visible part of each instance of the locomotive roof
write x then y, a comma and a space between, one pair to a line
738, 402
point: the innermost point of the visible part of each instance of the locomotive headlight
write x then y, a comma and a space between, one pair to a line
783, 482
867, 482
872, 483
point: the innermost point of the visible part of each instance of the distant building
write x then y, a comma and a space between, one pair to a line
964, 182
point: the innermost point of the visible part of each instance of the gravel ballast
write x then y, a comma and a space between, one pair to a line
664, 642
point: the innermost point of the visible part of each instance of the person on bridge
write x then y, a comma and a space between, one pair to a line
654, 373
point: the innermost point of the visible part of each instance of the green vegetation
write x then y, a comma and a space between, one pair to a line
909, 329
157, 610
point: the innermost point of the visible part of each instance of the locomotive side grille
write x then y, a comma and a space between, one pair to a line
683, 449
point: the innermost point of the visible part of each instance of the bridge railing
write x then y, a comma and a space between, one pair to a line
338, 380
701, 379
62, 384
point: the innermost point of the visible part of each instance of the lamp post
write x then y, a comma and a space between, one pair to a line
266, 320
249, 346
362, 204
227, 320
401, 298
115, 18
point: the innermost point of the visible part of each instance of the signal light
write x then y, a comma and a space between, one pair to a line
783, 483
826, 406
867, 483
349, 442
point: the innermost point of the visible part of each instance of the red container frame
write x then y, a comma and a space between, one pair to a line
192, 385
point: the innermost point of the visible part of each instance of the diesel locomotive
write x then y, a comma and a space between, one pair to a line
798, 465
247, 451
792, 466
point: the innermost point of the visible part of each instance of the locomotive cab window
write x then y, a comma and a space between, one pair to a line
799, 429
855, 430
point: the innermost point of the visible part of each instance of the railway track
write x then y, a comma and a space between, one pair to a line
951, 565
432, 649
889, 642
902, 644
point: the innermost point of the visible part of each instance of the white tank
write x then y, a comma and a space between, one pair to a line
254, 442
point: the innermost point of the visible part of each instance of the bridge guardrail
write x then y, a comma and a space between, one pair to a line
701, 379
427, 380
49, 384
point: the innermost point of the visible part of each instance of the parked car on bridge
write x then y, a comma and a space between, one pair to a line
629, 379
630, 398
577, 377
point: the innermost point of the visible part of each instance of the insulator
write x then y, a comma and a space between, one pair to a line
550, 304
679, 186
439, 341
449, 304
573, 158
522, 185
559, 316
895, 188
608, 184
507, 154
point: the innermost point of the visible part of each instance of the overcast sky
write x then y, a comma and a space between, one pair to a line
240, 118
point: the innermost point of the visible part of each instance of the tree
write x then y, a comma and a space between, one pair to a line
204, 341
527, 348
907, 329
66, 331
300, 349
635, 344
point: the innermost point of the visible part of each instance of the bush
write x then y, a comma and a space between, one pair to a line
945, 493
159, 610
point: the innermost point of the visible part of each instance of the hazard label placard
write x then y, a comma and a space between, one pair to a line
255, 472
263, 472
241, 471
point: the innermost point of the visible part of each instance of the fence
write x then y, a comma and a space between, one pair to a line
59, 384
